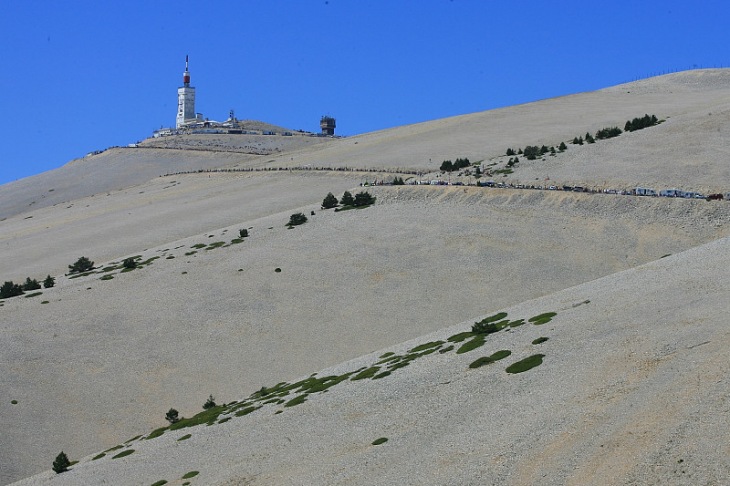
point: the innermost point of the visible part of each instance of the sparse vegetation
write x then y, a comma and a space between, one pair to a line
172, 416
542, 318
347, 199
296, 219
61, 463
31, 284
81, 265
525, 364
381, 440
10, 289
485, 360
209, 403
124, 453
190, 474
610, 132
539, 340
329, 201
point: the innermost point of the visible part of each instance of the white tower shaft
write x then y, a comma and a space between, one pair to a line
185, 100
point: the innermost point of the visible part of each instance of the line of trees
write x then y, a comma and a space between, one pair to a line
448, 166
11, 289
360, 199
639, 123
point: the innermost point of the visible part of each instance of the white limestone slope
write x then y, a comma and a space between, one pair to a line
632, 390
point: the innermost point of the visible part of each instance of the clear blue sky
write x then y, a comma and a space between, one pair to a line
78, 76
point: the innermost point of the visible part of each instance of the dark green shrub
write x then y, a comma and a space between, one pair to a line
209, 403
363, 199
608, 133
485, 360
123, 454
476, 341
129, 263
510, 152
61, 464
525, 364
542, 318
532, 152
329, 201
446, 166
347, 199
296, 219
243, 233
539, 340
562, 147
381, 440
172, 416
81, 265
10, 289
190, 474
398, 181
31, 284
161, 482
49, 282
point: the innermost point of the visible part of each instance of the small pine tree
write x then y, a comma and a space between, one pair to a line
61, 464
31, 284
347, 199
209, 403
329, 201
243, 233
172, 416
589, 138
49, 282
129, 263
81, 265
296, 219
363, 199
562, 147
510, 152
446, 166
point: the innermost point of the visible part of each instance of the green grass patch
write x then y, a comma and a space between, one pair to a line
108, 269
107, 277
159, 483
476, 342
426, 346
485, 360
215, 245
367, 373
156, 433
296, 401
457, 338
123, 454
198, 246
190, 253
35, 294
525, 364
446, 349
517, 323
185, 437
542, 318
236, 241
133, 439
190, 474
246, 411
98, 456
208, 417
115, 448
381, 440
381, 375
387, 355
539, 340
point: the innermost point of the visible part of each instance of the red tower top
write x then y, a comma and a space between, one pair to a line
186, 74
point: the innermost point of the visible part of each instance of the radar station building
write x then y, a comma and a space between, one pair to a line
327, 124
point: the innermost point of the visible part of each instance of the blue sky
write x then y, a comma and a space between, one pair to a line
79, 76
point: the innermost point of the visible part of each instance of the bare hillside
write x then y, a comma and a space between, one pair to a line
100, 358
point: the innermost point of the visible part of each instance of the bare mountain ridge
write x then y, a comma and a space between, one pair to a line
418, 261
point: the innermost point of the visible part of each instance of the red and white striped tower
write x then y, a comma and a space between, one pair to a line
185, 100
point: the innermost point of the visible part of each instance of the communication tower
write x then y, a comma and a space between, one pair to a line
185, 100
